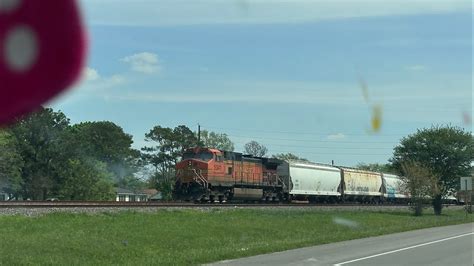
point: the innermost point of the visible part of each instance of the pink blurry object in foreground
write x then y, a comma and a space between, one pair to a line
42, 51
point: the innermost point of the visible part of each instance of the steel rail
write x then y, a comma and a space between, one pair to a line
119, 204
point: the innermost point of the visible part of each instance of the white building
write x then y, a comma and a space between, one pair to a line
122, 194
4, 196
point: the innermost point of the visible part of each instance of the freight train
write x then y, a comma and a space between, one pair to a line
211, 175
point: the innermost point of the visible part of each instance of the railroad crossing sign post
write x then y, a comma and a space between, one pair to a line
466, 190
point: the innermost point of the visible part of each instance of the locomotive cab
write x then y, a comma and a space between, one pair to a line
193, 172
197, 161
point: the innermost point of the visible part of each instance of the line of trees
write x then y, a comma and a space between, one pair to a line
43, 156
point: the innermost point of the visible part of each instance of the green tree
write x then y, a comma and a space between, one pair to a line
377, 167
215, 140
182, 139
37, 138
106, 142
420, 182
447, 151
255, 149
70, 162
11, 164
86, 181
161, 155
168, 146
165, 186
289, 157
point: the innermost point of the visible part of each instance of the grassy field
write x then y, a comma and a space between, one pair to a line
191, 236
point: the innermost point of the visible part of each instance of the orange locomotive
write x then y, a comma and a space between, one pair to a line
206, 174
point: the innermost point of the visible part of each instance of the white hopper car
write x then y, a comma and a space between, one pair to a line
315, 182
392, 189
323, 183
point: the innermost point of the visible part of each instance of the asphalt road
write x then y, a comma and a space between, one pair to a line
447, 246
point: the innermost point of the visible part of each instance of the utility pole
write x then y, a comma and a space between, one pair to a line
199, 135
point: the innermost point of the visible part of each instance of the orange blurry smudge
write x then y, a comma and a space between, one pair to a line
376, 122
376, 119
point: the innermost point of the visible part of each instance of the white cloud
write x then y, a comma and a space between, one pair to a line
415, 68
92, 80
185, 12
337, 136
147, 63
90, 74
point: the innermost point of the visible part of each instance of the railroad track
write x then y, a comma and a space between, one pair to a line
115, 204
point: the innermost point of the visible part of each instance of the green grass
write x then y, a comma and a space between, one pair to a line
190, 236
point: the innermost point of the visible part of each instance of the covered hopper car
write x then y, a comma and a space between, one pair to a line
317, 183
361, 186
393, 189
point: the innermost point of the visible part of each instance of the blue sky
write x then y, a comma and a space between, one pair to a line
283, 73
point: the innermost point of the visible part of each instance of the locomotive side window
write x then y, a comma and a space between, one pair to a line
205, 156
229, 170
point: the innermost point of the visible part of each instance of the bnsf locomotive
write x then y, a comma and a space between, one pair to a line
206, 174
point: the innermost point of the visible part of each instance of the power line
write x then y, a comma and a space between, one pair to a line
332, 153
307, 140
321, 147
313, 152
298, 133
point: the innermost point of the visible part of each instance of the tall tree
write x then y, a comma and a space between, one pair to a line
38, 136
448, 151
182, 139
168, 146
255, 149
216, 140
160, 154
11, 164
106, 142
289, 157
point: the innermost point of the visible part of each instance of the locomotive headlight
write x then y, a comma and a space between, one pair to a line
189, 163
